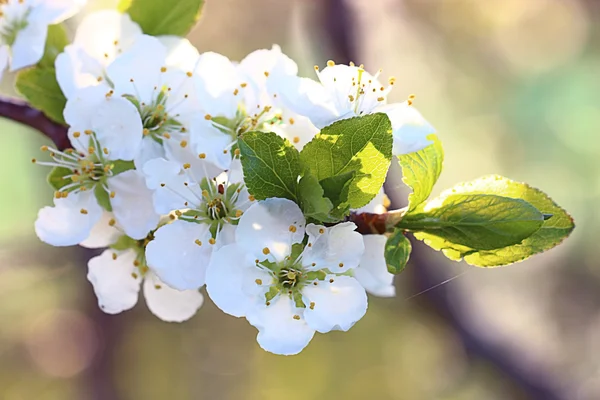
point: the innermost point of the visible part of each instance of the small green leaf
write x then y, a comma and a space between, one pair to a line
119, 166
55, 43
124, 243
355, 152
103, 197
312, 200
271, 165
476, 221
421, 170
56, 177
160, 17
40, 88
397, 252
553, 231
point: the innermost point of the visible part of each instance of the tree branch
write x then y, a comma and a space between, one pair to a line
19, 111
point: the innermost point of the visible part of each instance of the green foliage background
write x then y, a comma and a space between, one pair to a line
513, 91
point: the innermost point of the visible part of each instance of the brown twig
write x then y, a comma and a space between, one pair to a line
19, 111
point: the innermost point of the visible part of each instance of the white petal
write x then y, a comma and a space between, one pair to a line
199, 168
116, 281
118, 127
79, 111
265, 228
410, 129
297, 129
76, 69
170, 304
175, 256
103, 234
338, 248
278, 331
150, 149
180, 52
337, 305
132, 204
372, 272
70, 221
272, 61
29, 46
339, 79
305, 97
216, 79
210, 141
167, 181
142, 63
231, 269
55, 11
105, 34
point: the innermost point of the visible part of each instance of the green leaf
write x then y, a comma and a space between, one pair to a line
397, 251
55, 43
160, 17
40, 88
352, 154
103, 197
312, 200
124, 243
118, 166
476, 221
123, 5
56, 177
421, 170
271, 165
553, 231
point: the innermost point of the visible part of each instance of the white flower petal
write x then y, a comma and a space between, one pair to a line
116, 281
211, 142
150, 149
271, 226
372, 272
118, 127
334, 306
28, 47
168, 304
281, 328
199, 168
216, 79
305, 97
180, 52
410, 129
176, 256
70, 221
338, 248
79, 111
167, 181
137, 71
103, 234
297, 129
54, 11
272, 61
132, 204
231, 269
76, 69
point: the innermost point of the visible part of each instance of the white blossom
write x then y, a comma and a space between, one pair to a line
117, 275
346, 91
285, 289
181, 250
24, 28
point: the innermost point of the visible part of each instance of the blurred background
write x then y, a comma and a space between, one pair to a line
513, 87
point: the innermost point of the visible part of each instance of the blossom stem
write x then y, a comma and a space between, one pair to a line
19, 111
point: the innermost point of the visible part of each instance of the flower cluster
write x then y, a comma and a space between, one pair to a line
154, 176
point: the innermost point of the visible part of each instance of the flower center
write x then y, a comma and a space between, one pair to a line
74, 171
